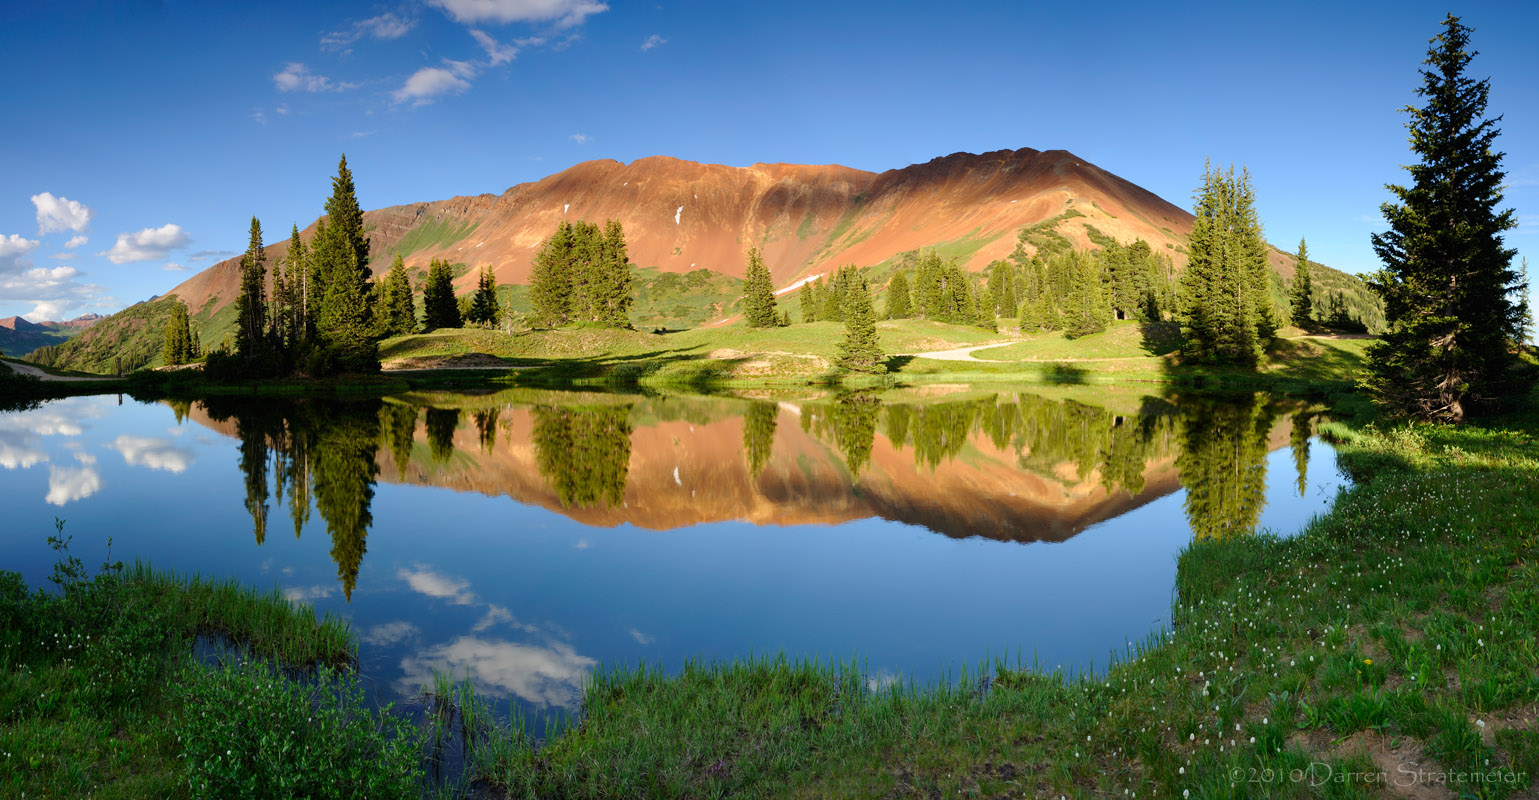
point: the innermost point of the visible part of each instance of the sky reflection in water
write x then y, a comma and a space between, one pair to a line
529, 537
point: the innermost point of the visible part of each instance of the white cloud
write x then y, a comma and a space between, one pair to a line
150, 244
53, 290
64, 256
162, 454
580, 138
498, 52
66, 485
642, 638
384, 26
76, 241
282, 109
13, 249
552, 675
562, 13
428, 83
297, 77
172, 266
389, 633
653, 41
305, 594
424, 580
60, 214
18, 450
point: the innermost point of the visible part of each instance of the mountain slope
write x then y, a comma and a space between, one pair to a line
681, 217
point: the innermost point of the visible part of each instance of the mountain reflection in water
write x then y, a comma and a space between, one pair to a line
1009, 467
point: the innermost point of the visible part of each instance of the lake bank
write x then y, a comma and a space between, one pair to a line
1388, 630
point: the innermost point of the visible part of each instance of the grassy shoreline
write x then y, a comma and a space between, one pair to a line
1393, 644
735, 358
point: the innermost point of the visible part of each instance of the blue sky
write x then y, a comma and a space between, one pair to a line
147, 134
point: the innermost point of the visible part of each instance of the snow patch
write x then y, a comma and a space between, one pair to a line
566, 208
798, 284
1015, 201
676, 476
676, 215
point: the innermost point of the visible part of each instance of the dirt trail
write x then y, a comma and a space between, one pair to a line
28, 369
957, 354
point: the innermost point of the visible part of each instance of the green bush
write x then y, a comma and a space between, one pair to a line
246, 731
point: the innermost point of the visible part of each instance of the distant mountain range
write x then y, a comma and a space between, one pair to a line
682, 217
19, 337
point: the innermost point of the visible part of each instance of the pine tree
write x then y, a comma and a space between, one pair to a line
860, 351
340, 272
1301, 290
439, 307
758, 294
1226, 308
343, 320
180, 346
833, 300
484, 308
1001, 292
297, 267
1087, 311
809, 302
251, 303
550, 282
898, 300
613, 291
1447, 282
399, 312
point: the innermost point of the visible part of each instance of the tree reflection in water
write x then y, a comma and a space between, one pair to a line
326, 451
584, 452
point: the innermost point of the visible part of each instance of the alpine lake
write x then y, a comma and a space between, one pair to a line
525, 538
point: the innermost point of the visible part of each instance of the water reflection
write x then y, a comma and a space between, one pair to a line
1012, 467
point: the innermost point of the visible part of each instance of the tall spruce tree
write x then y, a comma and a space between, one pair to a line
808, 298
612, 301
484, 308
1225, 303
1448, 284
860, 351
550, 282
899, 304
179, 346
399, 313
1301, 292
759, 294
439, 307
251, 303
1087, 309
343, 310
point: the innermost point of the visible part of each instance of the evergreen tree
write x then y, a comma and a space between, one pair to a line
612, 291
758, 293
251, 303
180, 345
439, 308
1087, 311
550, 282
809, 302
1226, 307
1525, 311
820, 296
297, 263
833, 301
860, 351
342, 307
898, 300
1447, 282
1300, 293
399, 310
484, 308
343, 321
1001, 292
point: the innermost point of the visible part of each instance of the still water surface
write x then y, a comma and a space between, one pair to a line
526, 538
